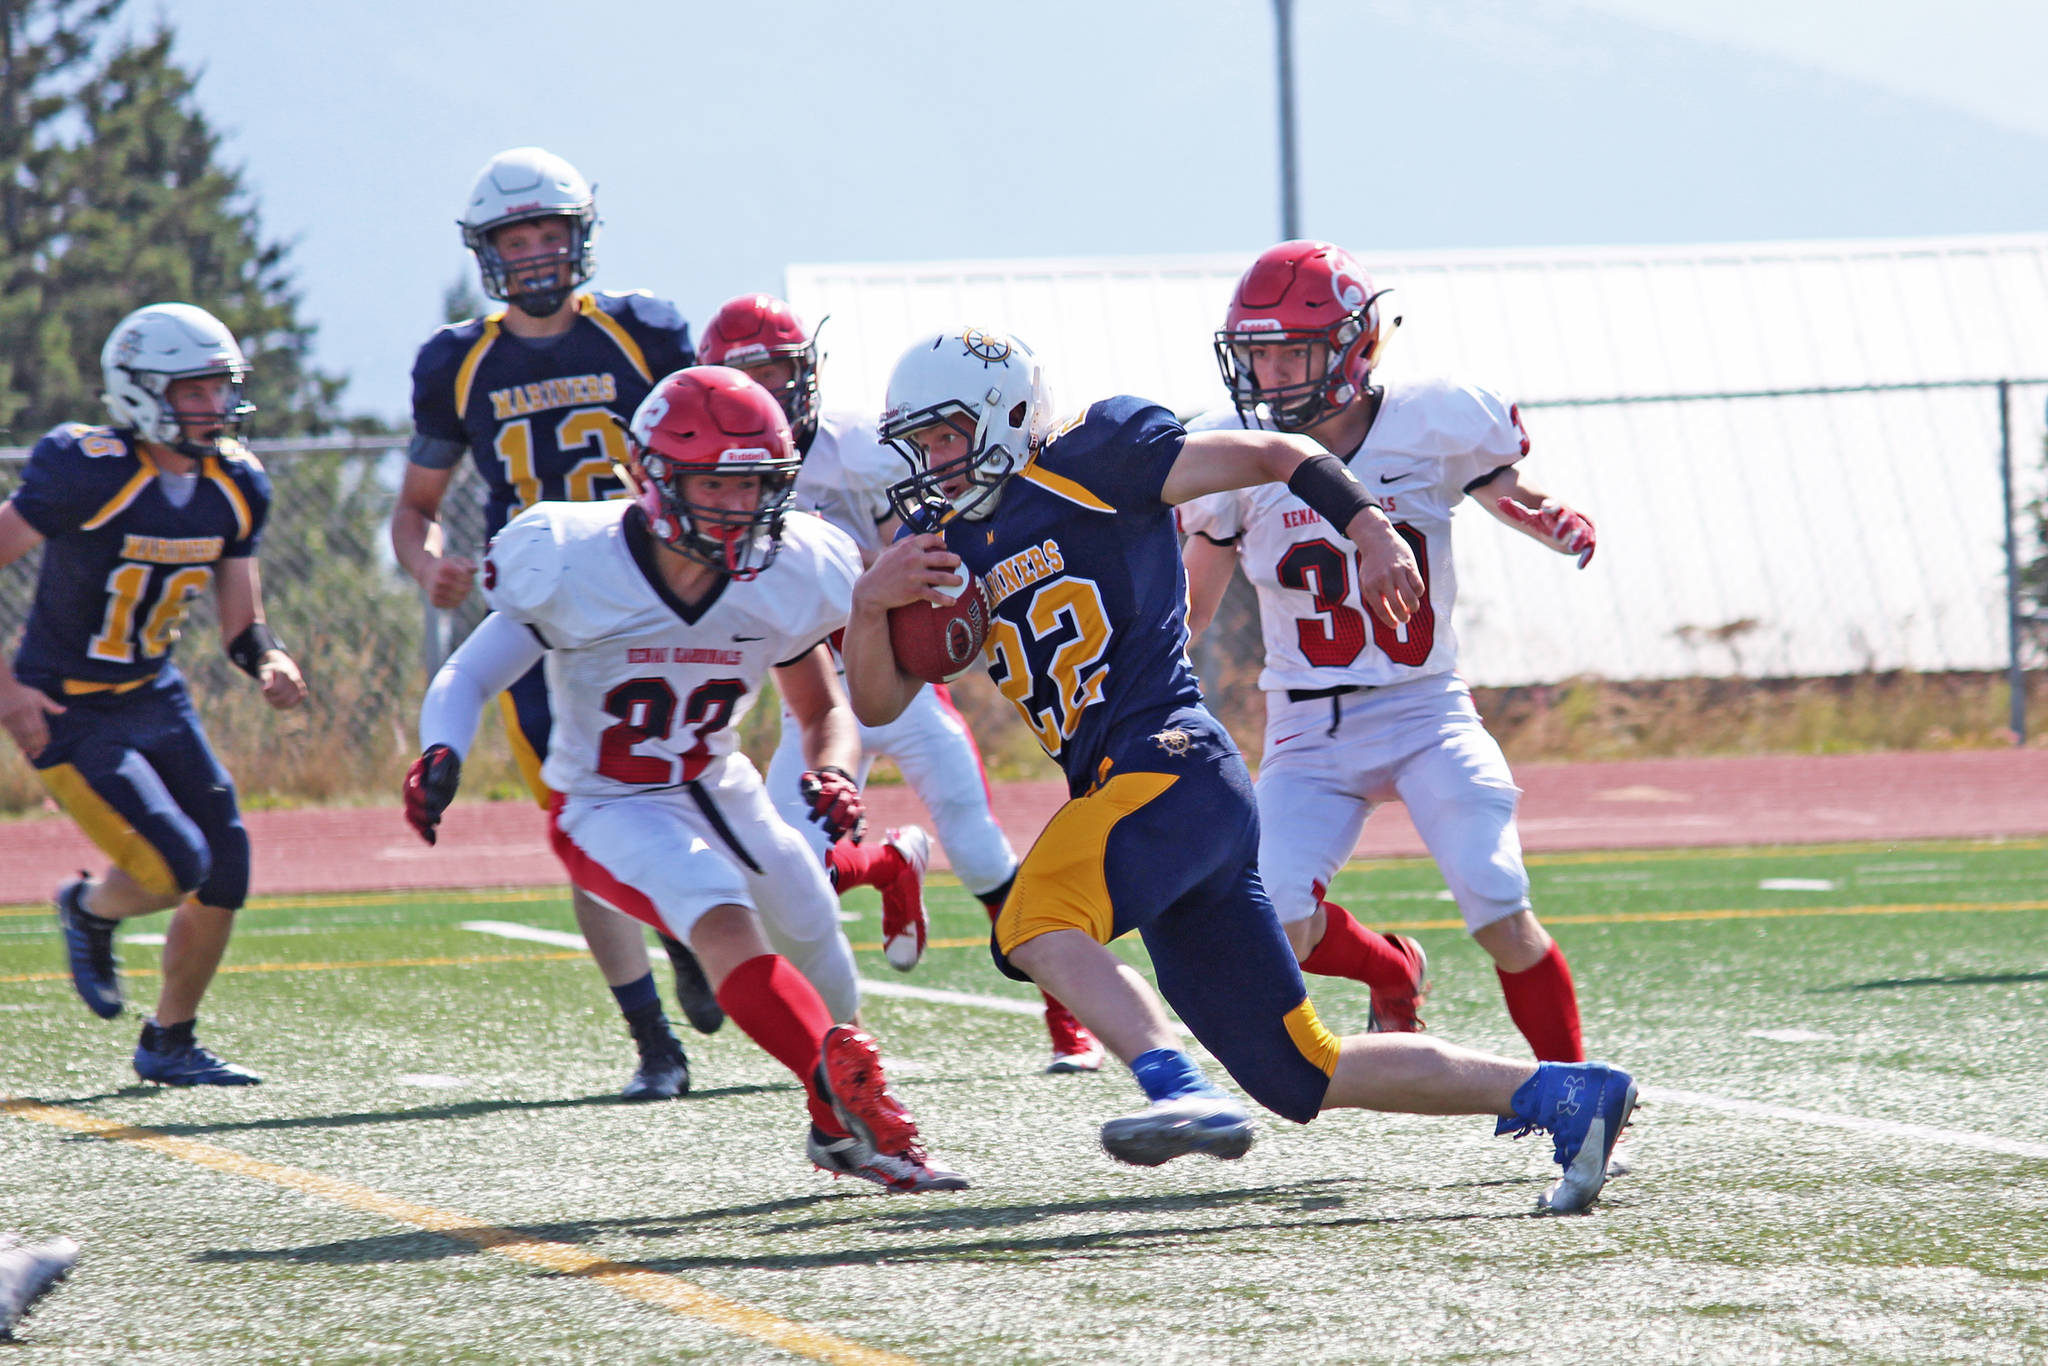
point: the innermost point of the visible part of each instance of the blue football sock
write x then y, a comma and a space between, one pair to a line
1168, 1073
637, 996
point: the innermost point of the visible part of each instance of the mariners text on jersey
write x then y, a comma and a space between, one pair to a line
123, 558
544, 419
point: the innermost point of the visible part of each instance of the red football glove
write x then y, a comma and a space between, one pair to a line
834, 799
429, 786
1568, 532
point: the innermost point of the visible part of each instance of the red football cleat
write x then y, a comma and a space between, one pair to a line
1396, 1012
905, 924
1074, 1049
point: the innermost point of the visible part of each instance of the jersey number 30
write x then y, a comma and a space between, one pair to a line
1334, 637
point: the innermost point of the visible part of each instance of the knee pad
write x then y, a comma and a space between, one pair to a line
225, 884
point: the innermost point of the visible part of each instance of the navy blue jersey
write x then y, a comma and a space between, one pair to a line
121, 561
1088, 638
547, 420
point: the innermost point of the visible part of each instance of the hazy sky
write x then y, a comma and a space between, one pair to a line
729, 141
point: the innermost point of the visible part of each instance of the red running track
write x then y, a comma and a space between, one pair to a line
1652, 804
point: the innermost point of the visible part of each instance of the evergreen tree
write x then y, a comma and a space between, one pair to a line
125, 201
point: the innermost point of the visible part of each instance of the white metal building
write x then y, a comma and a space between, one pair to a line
1762, 536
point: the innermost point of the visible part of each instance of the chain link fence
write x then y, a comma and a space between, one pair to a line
1841, 535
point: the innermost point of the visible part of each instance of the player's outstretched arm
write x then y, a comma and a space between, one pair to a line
1209, 568
1514, 500
417, 541
810, 688
22, 708
914, 569
247, 638
1209, 462
494, 657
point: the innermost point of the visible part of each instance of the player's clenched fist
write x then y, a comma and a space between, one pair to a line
834, 801
429, 786
1565, 531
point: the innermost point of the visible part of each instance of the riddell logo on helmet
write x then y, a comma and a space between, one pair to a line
746, 355
1259, 325
744, 455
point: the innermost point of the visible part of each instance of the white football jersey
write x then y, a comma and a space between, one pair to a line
647, 693
845, 478
1431, 440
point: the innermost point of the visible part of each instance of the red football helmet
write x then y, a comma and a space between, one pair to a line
1298, 293
756, 329
710, 420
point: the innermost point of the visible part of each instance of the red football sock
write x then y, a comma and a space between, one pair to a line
1349, 949
778, 1008
853, 865
1545, 1007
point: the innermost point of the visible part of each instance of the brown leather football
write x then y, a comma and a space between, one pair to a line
938, 644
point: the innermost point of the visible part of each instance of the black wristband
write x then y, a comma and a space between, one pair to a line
834, 768
247, 649
1330, 489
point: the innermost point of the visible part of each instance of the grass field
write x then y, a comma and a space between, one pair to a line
1843, 1156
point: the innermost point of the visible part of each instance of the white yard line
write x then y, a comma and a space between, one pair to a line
1923, 1133
506, 929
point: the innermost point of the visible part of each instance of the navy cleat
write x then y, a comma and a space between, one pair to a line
89, 944
1583, 1106
187, 1063
663, 1074
1198, 1122
693, 989
29, 1271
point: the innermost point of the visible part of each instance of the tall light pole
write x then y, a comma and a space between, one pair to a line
1283, 35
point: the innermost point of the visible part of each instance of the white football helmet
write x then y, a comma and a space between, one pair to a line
521, 184
986, 385
163, 342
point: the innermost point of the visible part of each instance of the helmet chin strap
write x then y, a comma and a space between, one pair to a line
540, 303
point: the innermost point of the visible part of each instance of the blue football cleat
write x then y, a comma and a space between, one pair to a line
190, 1065
29, 1271
663, 1074
89, 944
1583, 1106
1198, 1122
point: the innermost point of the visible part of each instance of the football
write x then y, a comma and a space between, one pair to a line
938, 644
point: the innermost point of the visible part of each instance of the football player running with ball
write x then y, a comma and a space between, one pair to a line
537, 395
1359, 711
658, 619
136, 520
1072, 535
845, 479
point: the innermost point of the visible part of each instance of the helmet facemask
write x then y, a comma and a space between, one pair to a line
1340, 359
519, 282
736, 542
921, 500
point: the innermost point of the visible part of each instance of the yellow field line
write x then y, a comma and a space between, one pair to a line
650, 1287
1745, 913
453, 896
467, 960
